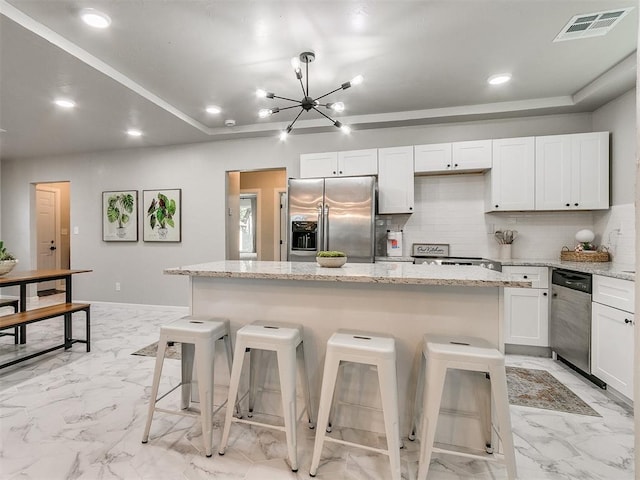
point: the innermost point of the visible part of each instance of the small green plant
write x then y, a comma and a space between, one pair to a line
4, 255
161, 212
119, 208
331, 253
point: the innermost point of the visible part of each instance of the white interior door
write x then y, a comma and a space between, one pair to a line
48, 254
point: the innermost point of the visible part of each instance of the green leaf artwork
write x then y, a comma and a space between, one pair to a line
120, 208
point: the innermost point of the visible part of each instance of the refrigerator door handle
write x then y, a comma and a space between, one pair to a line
320, 242
325, 229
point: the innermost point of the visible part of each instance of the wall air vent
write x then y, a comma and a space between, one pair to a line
591, 25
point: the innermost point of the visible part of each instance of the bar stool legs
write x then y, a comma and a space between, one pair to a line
197, 337
369, 350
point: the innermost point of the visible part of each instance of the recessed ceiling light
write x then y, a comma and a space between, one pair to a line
132, 132
95, 18
64, 102
499, 78
213, 109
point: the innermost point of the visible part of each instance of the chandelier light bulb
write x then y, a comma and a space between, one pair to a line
357, 80
261, 93
295, 63
283, 135
346, 129
337, 106
264, 113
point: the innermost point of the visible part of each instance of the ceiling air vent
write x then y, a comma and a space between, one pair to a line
591, 25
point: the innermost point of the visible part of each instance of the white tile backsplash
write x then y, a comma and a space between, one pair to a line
616, 229
450, 209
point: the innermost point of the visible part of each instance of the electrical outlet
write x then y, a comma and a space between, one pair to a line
117, 286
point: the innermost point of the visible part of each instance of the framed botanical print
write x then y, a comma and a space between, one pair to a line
120, 216
162, 215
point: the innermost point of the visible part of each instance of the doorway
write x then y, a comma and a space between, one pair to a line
52, 224
261, 190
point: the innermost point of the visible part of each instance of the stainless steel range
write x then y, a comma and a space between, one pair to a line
438, 254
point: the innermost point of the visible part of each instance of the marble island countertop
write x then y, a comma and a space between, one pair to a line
393, 273
607, 269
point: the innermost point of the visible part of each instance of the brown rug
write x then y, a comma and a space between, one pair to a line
527, 387
540, 389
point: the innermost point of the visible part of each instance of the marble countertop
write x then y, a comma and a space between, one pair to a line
383, 272
607, 269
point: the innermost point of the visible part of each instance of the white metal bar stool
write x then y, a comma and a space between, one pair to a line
440, 353
197, 336
287, 341
369, 350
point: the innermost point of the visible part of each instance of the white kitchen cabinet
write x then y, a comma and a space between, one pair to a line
351, 163
395, 180
526, 310
612, 333
509, 185
453, 157
572, 171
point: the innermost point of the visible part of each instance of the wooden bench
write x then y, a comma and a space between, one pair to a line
44, 313
14, 304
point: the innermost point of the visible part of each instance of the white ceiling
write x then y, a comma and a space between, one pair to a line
161, 62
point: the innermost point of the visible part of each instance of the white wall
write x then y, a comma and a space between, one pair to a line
199, 170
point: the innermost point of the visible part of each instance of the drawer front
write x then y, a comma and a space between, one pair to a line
538, 276
614, 292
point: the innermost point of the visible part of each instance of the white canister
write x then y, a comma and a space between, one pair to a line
394, 244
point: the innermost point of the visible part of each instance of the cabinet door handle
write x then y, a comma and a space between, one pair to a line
626, 320
554, 295
448, 165
524, 276
568, 204
455, 164
334, 172
576, 204
544, 294
410, 208
497, 206
341, 174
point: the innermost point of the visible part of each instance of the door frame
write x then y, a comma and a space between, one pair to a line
280, 221
46, 187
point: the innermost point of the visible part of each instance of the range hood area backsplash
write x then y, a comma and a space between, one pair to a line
450, 209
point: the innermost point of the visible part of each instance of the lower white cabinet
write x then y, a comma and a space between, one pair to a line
526, 310
612, 332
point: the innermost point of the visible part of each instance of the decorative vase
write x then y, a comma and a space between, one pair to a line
162, 232
121, 232
505, 251
7, 265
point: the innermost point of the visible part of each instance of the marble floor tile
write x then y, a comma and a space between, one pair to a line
78, 415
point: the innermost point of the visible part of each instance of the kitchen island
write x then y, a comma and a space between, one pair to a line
399, 299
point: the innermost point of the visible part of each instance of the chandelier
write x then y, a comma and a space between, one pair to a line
307, 103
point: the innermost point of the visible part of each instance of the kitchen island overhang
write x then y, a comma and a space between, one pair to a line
402, 300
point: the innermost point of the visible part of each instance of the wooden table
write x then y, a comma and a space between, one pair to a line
22, 279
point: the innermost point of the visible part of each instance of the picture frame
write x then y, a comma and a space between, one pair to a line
120, 216
162, 215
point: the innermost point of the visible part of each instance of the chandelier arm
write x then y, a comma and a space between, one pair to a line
287, 108
295, 119
307, 80
326, 116
288, 99
304, 94
332, 91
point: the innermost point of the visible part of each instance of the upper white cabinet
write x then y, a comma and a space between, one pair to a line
395, 180
572, 172
509, 185
339, 164
453, 157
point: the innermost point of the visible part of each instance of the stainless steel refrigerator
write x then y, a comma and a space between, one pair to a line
332, 214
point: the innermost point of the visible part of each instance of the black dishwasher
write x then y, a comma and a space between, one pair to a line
570, 321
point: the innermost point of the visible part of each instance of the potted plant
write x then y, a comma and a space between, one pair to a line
161, 212
119, 209
331, 258
7, 260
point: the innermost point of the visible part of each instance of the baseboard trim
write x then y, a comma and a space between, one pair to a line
530, 350
172, 308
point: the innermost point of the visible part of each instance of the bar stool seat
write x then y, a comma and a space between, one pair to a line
441, 353
197, 336
287, 341
368, 349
